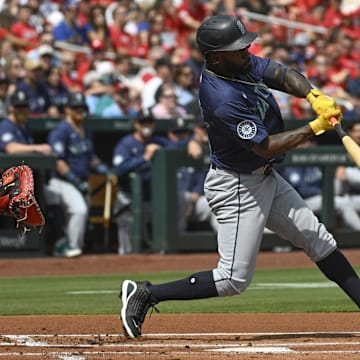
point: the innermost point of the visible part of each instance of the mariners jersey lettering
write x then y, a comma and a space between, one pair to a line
76, 150
239, 115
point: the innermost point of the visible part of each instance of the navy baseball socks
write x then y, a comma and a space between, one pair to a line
338, 269
200, 285
137, 297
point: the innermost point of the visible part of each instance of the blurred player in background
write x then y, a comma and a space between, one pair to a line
71, 141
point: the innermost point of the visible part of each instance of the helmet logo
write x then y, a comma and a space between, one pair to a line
241, 27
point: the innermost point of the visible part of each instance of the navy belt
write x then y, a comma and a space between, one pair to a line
262, 170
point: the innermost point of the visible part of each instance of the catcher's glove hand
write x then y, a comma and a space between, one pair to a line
18, 183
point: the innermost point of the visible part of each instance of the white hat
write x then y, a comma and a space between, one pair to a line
302, 39
55, 18
90, 77
45, 50
105, 67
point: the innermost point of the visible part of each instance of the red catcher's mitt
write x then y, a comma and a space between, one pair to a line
18, 183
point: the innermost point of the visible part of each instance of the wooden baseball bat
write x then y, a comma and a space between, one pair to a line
350, 145
107, 202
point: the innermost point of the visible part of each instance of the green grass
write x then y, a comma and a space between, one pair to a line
98, 295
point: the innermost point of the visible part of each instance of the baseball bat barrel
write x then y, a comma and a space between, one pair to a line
350, 145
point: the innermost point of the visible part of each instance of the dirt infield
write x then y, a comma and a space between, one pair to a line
175, 337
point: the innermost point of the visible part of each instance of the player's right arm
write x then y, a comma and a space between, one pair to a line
280, 143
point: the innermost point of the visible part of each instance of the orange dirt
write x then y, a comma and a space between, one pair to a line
172, 337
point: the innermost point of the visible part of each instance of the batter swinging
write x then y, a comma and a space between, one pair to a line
246, 137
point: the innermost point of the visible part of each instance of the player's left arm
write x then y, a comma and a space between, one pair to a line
287, 79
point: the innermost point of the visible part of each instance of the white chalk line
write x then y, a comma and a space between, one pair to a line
254, 286
157, 345
265, 348
106, 353
300, 333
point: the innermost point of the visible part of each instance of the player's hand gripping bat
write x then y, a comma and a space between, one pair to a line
350, 145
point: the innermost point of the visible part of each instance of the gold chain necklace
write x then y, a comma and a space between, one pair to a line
236, 80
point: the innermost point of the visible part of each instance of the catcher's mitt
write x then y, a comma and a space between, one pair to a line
18, 183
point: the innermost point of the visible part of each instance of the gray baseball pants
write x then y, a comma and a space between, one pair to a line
246, 203
75, 209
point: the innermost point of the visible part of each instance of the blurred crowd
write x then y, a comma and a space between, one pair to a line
126, 56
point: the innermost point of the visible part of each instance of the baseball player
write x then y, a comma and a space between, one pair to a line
246, 194
15, 133
71, 141
133, 154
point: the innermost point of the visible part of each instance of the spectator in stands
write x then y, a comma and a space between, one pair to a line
122, 40
68, 30
157, 28
15, 133
163, 69
195, 61
299, 53
36, 19
15, 69
8, 13
46, 46
94, 89
56, 90
124, 69
12, 42
339, 75
22, 27
318, 73
46, 57
106, 99
69, 73
307, 180
166, 105
122, 107
4, 88
98, 31
187, 97
33, 86
167, 8
191, 13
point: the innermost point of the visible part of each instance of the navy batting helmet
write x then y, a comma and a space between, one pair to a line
223, 33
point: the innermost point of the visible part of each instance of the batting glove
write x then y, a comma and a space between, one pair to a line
320, 103
322, 123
